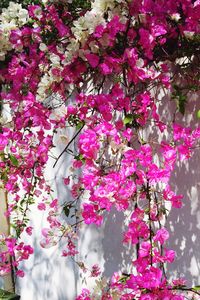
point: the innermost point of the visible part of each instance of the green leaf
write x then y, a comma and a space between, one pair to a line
80, 157
4, 295
176, 87
182, 99
66, 210
4, 176
128, 119
196, 288
14, 160
80, 125
198, 114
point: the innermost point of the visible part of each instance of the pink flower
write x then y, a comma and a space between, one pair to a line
95, 272
45, 232
179, 281
128, 134
184, 152
66, 180
161, 235
151, 278
148, 297
136, 229
20, 273
170, 196
54, 203
93, 59
146, 41
115, 26
3, 141
90, 214
106, 68
35, 11
180, 132
41, 206
144, 249
10, 243
77, 164
169, 255
158, 30
88, 143
98, 31
85, 295
29, 230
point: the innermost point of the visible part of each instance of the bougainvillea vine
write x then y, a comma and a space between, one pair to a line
110, 57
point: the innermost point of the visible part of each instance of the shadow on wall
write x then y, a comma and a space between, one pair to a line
184, 224
49, 277
116, 255
103, 245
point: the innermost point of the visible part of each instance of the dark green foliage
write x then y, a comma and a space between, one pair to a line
4, 295
180, 98
79, 4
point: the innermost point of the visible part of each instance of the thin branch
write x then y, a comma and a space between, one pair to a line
66, 148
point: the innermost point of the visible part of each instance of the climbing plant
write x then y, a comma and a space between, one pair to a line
111, 57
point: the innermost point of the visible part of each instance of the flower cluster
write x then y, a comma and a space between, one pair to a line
111, 58
11, 18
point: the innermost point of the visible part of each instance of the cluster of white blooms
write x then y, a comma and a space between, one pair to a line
11, 18
4, 43
43, 86
86, 24
71, 49
101, 6
49, 76
82, 28
14, 14
52, 72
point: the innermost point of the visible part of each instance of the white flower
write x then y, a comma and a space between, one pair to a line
140, 63
93, 20
188, 34
94, 47
43, 86
23, 15
38, 12
57, 114
142, 18
5, 44
55, 59
175, 17
86, 25
11, 18
2, 56
100, 6
60, 49
71, 50
6, 27
15, 13
43, 47
105, 40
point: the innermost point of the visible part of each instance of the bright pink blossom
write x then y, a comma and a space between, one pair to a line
161, 235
